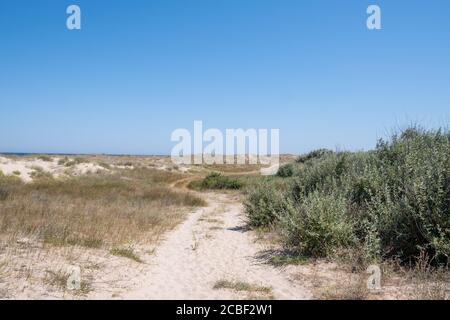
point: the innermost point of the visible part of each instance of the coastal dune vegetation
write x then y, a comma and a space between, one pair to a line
390, 203
96, 210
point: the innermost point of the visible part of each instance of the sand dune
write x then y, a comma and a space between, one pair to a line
24, 168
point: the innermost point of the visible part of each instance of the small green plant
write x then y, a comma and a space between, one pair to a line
75, 161
59, 237
39, 173
59, 279
17, 173
45, 158
241, 286
126, 253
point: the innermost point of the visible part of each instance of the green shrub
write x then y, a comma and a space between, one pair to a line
397, 198
62, 161
412, 205
126, 253
264, 204
314, 155
286, 170
39, 173
45, 158
217, 181
4, 193
127, 164
75, 161
319, 226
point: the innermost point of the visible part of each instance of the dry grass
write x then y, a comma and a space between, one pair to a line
347, 280
346, 288
429, 282
134, 206
58, 280
241, 286
90, 220
126, 253
250, 291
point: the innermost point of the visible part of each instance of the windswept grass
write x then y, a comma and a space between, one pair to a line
241, 286
126, 253
58, 279
134, 206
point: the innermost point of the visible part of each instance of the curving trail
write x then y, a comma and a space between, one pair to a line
213, 245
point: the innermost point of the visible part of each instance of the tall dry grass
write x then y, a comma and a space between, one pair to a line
101, 210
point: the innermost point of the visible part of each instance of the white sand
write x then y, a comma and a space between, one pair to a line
9, 167
212, 245
23, 167
85, 168
270, 171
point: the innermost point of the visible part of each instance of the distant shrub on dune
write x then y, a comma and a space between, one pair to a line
104, 165
45, 158
126, 164
62, 161
70, 163
3, 193
39, 173
216, 181
314, 155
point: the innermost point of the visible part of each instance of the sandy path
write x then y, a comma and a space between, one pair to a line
212, 245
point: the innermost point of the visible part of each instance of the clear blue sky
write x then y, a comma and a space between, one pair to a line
140, 69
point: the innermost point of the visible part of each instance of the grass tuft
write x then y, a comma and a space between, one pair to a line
241, 286
126, 253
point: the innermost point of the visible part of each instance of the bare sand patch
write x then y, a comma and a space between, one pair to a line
194, 257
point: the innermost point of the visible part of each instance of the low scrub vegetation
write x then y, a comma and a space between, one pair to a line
286, 170
126, 253
216, 181
314, 155
45, 158
391, 202
240, 286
